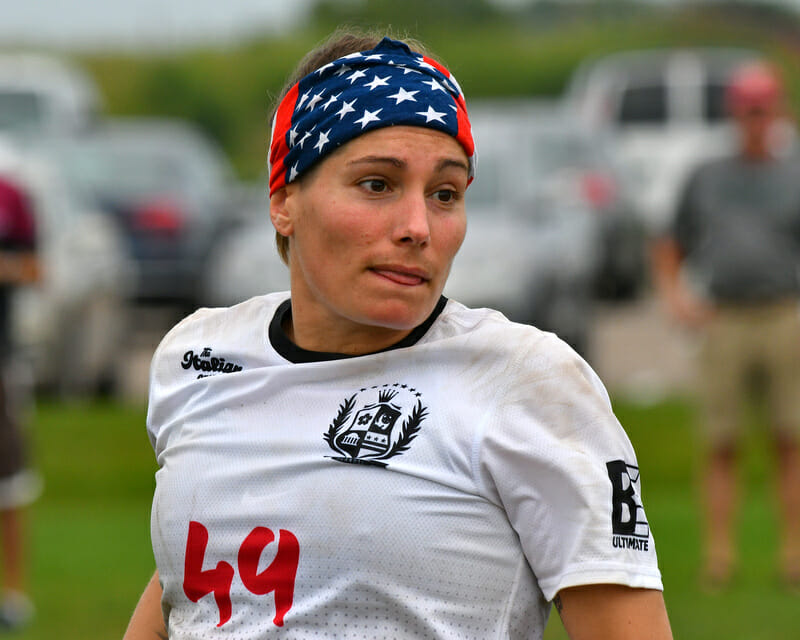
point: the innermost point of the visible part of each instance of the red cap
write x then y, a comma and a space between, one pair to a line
753, 85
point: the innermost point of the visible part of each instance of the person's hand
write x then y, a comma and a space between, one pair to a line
18, 268
688, 309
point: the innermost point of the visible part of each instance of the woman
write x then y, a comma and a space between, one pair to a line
366, 458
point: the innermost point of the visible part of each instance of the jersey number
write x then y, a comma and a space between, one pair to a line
278, 577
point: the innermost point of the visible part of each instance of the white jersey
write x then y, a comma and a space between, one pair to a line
448, 487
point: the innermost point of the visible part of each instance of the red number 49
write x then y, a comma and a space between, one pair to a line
278, 577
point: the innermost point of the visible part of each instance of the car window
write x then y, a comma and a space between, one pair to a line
560, 149
20, 111
714, 102
121, 168
513, 165
107, 173
643, 104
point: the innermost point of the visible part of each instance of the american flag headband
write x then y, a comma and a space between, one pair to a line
388, 85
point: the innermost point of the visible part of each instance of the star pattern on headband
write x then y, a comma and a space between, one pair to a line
389, 85
402, 95
347, 107
369, 116
431, 114
377, 82
358, 73
348, 113
323, 140
331, 101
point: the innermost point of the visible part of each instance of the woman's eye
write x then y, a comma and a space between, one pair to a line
445, 195
374, 185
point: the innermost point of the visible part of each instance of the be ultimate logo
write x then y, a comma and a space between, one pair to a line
628, 523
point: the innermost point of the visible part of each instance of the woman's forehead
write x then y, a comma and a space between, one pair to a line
412, 143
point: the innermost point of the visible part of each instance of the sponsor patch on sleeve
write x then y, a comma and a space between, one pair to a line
628, 523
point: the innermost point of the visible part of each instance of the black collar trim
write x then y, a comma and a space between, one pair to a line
293, 353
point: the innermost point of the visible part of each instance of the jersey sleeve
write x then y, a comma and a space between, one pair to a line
564, 470
170, 387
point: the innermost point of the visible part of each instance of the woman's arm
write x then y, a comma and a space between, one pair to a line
147, 622
613, 612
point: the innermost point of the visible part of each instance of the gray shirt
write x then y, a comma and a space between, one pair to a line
738, 224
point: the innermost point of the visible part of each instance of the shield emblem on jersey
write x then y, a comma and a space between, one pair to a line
370, 430
380, 428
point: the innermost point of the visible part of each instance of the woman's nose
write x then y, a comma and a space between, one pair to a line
413, 226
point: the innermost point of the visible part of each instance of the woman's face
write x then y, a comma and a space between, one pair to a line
373, 231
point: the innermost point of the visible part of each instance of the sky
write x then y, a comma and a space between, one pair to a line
163, 24
140, 23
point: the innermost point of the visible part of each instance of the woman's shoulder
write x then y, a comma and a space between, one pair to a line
492, 326
215, 327
520, 351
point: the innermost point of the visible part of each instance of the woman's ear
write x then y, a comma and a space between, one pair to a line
280, 212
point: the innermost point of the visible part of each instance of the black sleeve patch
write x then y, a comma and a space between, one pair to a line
628, 522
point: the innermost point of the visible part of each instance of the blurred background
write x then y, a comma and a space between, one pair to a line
140, 132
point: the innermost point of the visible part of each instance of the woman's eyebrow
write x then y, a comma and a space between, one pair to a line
396, 162
449, 162
378, 159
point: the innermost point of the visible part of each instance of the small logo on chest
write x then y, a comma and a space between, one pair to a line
208, 364
375, 424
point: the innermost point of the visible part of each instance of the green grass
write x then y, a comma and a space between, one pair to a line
89, 533
755, 607
91, 557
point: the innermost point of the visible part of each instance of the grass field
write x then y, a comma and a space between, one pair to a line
90, 551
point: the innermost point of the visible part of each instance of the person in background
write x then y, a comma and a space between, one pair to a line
737, 232
18, 484
360, 456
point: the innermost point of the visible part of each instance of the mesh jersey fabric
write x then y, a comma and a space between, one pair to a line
444, 490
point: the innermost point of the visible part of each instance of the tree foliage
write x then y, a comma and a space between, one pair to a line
531, 52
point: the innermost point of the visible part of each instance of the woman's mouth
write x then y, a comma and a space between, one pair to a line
409, 277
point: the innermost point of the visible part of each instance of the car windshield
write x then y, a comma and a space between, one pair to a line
125, 174
128, 169
556, 150
513, 169
714, 101
20, 111
643, 104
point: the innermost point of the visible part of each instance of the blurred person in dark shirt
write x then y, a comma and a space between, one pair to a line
18, 486
737, 232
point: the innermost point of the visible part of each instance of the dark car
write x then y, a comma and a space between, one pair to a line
44, 95
582, 164
532, 243
171, 191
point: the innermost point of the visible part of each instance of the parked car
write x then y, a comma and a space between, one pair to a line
44, 95
69, 325
665, 111
583, 166
168, 187
533, 241
245, 263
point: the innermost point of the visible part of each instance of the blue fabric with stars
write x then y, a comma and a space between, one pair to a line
388, 85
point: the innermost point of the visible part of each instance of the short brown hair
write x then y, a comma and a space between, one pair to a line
343, 41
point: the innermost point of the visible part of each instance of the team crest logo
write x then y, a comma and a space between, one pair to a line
376, 424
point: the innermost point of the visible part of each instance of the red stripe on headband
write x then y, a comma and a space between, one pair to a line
438, 65
278, 145
464, 127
